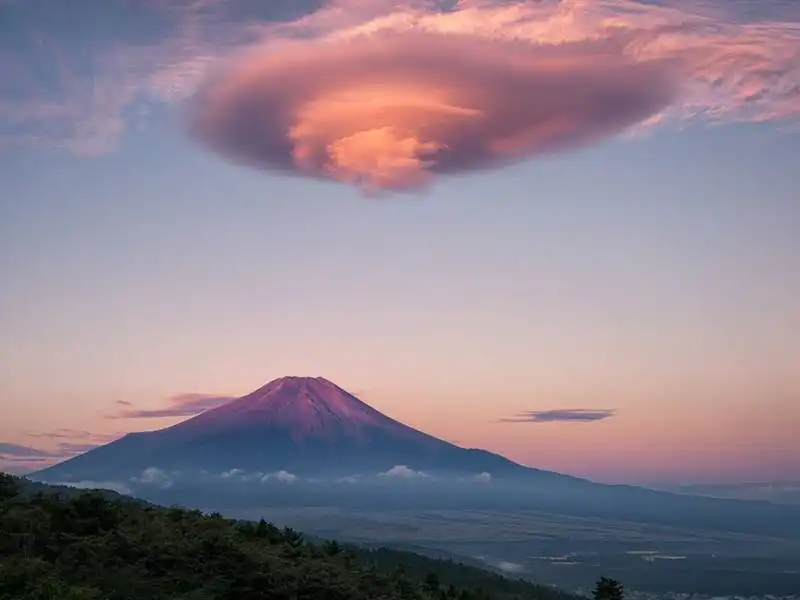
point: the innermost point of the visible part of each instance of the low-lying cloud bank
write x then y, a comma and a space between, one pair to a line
154, 478
388, 95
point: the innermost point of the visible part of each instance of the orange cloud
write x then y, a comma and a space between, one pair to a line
388, 94
388, 97
388, 112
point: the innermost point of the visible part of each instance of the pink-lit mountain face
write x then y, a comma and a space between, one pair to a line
304, 408
304, 425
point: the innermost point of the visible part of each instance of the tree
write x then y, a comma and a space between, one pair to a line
432, 582
608, 589
292, 537
264, 530
9, 486
332, 547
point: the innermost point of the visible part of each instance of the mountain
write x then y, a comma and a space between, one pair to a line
312, 434
301, 425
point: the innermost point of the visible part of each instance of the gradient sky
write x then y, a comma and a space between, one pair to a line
650, 276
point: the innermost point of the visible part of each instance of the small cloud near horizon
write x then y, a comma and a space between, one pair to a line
73, 435
403, 472
70, 448
510, 567
281, 476
482, 477
22, 458
19, 451
62, 450
562, 415
182, 405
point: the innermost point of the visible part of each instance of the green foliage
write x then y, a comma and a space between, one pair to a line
97, 546
608, 589
9, 486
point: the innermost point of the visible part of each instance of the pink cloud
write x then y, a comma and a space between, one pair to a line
18, 451
183, 405
562, 415
22, 458
59, 444
386, 94
387, 112
76, 435
390, 95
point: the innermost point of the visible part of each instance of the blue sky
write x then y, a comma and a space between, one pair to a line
653, 274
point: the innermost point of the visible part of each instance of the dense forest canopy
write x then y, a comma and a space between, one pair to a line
64, 544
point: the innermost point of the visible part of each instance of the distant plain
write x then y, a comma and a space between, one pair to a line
568, 551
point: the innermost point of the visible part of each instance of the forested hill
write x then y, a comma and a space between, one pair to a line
99, 546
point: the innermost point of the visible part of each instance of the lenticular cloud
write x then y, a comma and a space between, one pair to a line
389, 113
388, 99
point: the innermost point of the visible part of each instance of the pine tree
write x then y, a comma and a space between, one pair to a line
608, 589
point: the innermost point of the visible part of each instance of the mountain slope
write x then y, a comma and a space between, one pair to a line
303, 425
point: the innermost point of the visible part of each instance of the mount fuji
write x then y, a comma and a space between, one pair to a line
304, 425
314, 435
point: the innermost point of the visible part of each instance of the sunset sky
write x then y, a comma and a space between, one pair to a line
566, 231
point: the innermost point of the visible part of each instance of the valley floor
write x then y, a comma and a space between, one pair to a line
572, 552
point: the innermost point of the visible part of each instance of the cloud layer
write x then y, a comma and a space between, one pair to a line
563, 415
155, 478
387, 95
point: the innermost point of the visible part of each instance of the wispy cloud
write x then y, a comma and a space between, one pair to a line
25, 461
183, 405
389, 94
70, 448
563, 415
76, 435
58, 445
22, 458
20, 451
280, 476
62, 450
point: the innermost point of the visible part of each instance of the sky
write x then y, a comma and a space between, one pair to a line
567, 231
